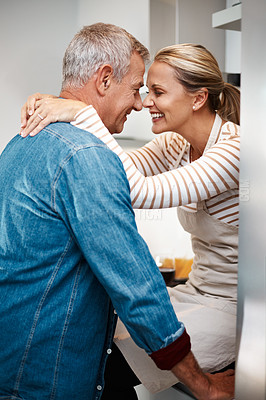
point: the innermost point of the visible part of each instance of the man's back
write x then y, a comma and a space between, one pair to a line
69, 252
53, 310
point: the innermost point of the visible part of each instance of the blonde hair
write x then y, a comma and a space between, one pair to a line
99, 44
195, 68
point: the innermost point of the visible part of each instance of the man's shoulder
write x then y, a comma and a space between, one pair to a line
69, 142
71, 137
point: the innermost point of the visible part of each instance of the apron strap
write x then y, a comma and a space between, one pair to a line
211, 141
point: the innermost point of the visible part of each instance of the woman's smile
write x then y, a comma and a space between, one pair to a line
155, 116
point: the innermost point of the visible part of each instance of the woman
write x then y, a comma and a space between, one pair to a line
195, 167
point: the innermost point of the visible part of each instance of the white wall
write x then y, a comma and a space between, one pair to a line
163, 233
33, 38
134, 16
162, 24
194, 25
131, 15
232, 48
251, 322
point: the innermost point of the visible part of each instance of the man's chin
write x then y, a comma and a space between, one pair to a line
117, 130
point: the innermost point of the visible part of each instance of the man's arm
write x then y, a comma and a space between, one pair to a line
204, 386
92, 196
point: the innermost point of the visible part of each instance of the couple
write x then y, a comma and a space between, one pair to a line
69, 241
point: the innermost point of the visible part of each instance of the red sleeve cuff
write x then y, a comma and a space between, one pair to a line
169, 356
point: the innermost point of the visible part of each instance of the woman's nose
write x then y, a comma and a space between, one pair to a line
148, 102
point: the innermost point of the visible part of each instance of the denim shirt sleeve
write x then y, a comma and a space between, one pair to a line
91, 194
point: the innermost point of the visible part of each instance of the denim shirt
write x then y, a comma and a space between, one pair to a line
69, 254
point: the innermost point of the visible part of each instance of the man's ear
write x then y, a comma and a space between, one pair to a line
200, 98
104, 78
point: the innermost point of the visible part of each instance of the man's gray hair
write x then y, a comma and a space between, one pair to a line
96, 45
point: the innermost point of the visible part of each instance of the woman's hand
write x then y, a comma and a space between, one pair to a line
42, 109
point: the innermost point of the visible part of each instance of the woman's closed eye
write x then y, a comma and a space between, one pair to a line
157, 92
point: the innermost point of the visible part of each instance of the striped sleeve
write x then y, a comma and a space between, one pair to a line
215, 172
160, 155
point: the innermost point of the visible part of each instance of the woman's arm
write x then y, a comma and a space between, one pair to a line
215, 172
160, 155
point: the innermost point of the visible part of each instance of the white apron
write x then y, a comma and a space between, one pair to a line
206, 304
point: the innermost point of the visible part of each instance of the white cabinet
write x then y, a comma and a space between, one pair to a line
230, 18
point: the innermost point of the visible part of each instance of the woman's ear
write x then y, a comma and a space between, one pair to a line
200, 98
103, 78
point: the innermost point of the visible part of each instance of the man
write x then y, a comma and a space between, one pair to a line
70, 254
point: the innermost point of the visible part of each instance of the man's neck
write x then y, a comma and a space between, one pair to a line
75, 94
85, 96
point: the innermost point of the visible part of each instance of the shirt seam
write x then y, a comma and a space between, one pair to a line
62, 165
36, 318
72, 144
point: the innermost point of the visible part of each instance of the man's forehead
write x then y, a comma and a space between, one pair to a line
138, 81
137, 77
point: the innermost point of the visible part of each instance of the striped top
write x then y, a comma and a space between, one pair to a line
161, 175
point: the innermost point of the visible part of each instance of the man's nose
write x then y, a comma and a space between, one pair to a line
138, 103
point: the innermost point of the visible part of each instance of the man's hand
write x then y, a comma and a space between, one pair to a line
218, 386
222, 385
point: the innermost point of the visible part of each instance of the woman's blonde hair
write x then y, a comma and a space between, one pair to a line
195, 68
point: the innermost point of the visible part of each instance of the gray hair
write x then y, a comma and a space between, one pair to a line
96, 45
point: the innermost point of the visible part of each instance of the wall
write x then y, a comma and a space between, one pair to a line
251, 324
232, 47
194, 25
131, 15
134, 16
33, 38
162, 24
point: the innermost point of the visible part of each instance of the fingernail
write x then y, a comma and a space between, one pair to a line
22, 133
30, 112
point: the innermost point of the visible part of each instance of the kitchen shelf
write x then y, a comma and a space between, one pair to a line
230, 18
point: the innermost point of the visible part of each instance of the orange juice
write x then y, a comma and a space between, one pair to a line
167, 263
182, 267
